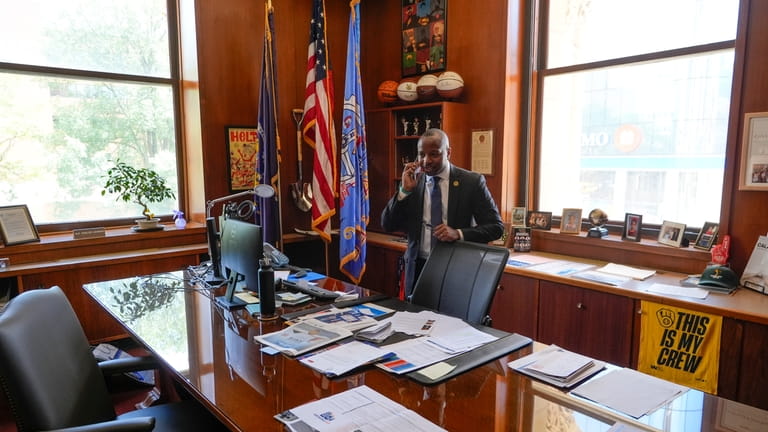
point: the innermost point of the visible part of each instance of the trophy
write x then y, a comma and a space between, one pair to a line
405, 125
597, 218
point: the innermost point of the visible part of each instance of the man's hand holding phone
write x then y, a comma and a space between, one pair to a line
410, 177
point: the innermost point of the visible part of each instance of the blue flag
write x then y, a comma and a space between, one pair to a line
267, 172
353, 179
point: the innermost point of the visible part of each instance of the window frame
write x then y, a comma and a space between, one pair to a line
174, 82
535, 72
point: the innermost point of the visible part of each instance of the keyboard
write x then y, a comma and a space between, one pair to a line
313, 290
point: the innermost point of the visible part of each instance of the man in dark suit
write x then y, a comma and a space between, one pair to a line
467, 210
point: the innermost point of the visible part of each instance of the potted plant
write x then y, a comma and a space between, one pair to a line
138, 185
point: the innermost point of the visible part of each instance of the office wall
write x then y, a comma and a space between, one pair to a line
230, 37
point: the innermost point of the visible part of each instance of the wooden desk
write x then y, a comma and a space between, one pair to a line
212, 354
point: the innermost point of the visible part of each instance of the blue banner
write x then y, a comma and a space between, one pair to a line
353, 179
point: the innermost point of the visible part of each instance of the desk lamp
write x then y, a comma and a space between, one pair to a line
216, 278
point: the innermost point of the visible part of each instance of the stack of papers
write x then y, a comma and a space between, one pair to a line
596, 276
679, 291
349, 318
360, 408
303, 337
630, 392
625, 271
557, 366
342, 358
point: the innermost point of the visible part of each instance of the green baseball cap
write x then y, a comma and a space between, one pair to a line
719, 276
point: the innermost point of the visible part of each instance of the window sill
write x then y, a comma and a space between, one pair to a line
646, 253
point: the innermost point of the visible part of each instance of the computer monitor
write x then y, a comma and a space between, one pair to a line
241, 250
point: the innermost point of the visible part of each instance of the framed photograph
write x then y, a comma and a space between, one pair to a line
754, 152
570, 223
482, 151
540, 220
671, 233
707, 236
16, 225
518, 216
424, 36
242, 149
633, 225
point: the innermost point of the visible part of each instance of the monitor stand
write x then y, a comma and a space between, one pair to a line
228, 300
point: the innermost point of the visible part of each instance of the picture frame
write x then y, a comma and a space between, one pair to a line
707, 235
482, 151
540, 220
570, 221
671, 233
242, 154
753, 173
424, 37
16, 225
518, 216
633, 226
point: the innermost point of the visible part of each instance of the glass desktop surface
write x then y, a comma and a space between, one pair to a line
212, 353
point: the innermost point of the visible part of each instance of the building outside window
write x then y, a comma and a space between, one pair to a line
83, 84
634, 101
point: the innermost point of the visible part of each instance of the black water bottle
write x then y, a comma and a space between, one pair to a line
266, 288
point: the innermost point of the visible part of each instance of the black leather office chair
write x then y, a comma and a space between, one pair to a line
460, 279
53, 381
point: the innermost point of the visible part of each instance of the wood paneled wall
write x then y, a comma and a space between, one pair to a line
230, 37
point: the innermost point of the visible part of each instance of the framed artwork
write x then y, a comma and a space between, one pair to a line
518, 216
540, 220
482, 151
754, 152
16, 226
570, 222
707, 236
633, 224
671, 233
242, 150
424, 36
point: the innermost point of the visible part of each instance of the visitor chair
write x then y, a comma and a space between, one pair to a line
53, 381
460, 279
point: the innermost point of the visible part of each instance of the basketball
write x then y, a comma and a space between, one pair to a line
387, 92
426, 87
450, 85
406, 90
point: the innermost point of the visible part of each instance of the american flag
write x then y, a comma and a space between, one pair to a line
317, 125
353, 186
267, 169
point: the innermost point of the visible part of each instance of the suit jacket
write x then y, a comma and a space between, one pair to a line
470, 208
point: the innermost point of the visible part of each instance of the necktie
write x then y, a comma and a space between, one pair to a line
436, 198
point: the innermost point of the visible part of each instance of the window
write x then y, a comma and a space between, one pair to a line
634, 100
84, 83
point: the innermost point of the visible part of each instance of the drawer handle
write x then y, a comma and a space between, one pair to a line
579, 305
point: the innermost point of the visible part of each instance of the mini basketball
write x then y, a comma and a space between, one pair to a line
450, 85
426, 87
406, 90
387, 91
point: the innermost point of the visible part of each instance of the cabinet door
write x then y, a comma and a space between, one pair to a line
381, 270
379, 146
589, 322
514, 305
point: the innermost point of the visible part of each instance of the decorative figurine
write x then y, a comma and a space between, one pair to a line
416, 123
597, 218
405, 125
427, 123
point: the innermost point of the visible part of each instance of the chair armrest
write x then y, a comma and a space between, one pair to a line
136, 424
128, 364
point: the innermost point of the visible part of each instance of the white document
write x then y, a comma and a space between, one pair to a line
343, 358
412, 354
557, 366
416, 324
678, 291
562, 268
631, 272
463, 339
605, 278
629, 391
358, 409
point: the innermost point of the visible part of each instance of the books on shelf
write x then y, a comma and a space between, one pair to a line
755, 276
360, 408
557, 366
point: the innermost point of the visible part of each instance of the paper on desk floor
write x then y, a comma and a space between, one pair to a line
629, 391
680, 291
